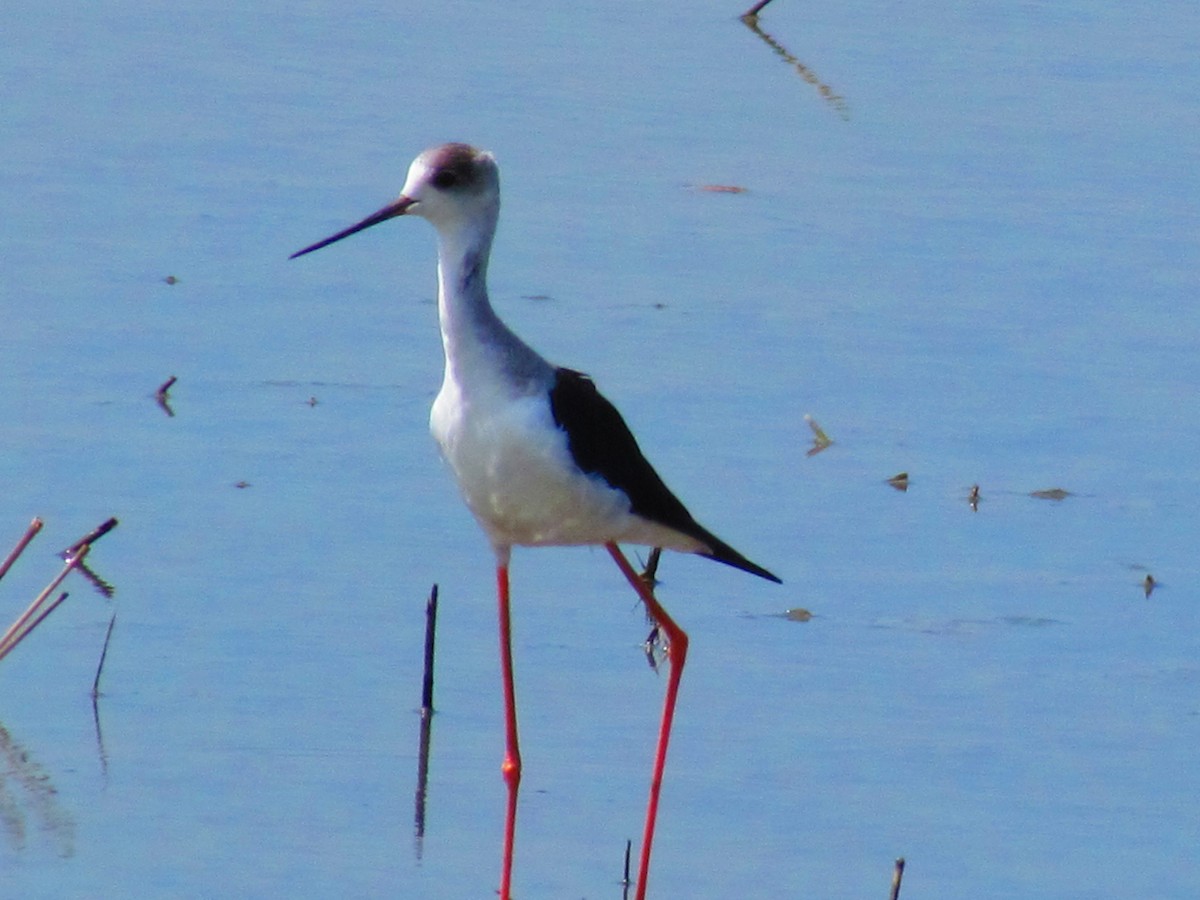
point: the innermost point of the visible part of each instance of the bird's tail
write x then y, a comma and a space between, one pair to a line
723, 553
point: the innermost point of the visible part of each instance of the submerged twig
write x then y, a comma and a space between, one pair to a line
30, 533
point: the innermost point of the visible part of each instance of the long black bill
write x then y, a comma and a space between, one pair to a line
398, 208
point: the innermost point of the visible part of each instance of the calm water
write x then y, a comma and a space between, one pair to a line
967, 246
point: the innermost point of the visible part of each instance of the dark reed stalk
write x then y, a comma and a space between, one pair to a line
426, 720
626, 881
103, 656
430, 630
91, 537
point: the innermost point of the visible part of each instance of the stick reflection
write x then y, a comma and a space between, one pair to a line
827, 93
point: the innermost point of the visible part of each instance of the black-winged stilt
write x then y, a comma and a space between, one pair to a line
540, 456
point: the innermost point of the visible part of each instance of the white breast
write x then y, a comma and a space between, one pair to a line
518, 477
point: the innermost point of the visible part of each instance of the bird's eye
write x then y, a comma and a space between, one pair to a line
445, 179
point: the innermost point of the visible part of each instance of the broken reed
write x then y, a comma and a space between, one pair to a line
37, 611
42, 605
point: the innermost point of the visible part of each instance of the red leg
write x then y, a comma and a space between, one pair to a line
511, 767
677, 645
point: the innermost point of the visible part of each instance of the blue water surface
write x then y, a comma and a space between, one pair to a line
964, 241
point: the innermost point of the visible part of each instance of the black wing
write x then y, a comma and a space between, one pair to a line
602, 444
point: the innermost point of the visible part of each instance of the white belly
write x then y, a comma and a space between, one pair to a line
517, 476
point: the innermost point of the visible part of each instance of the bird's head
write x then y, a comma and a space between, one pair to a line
450, 185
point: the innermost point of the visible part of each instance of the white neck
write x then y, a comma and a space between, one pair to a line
477, 344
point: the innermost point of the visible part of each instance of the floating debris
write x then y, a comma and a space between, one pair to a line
973, 498
241, 485
161, 398
1055, 494
820, 439
899, 481
1149, 585
721, 189
312, 401
797, 614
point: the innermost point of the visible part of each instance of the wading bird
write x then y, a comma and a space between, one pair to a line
540, 456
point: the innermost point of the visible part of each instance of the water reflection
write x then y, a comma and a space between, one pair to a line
837, 101
101, 752
102, 587
29, 801
422, 781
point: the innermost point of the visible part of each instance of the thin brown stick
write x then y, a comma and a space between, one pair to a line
30, 533
49, 608
897, 874
19, 629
